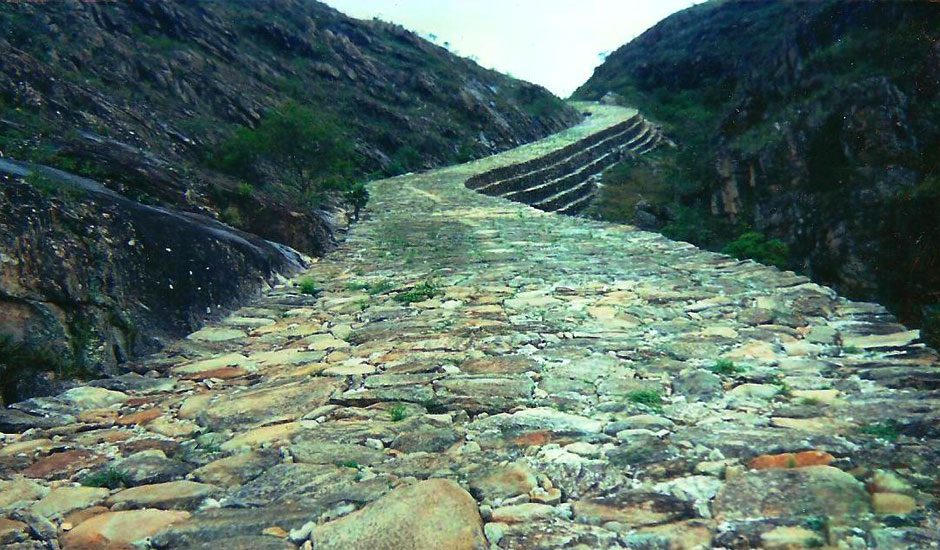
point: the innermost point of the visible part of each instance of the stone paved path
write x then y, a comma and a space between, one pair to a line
475, 373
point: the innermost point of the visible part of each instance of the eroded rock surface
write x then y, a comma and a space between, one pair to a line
479, 372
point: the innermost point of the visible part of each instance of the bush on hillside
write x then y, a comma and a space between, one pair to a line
755, 246
295, 145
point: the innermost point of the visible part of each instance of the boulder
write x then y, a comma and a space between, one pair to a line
432, 514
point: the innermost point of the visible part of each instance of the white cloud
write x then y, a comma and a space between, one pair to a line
555, 43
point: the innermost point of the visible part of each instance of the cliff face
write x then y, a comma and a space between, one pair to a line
815, 123
173, 128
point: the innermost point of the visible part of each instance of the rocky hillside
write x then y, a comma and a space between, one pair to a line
197, 132
809, 136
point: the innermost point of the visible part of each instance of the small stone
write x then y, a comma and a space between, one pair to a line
698, 385
791, 460
504, 482
63, 500
495, 532
545, 496
523, 513
120, 529
303, 532
894, 504
275, 532
259, 436
139, 418
174, 494
884, 481
785, 538
12, 531
754, 391
215, 334
151, 466
88, 397
236, 470
631, 509
19, 492
26, 448
810, 491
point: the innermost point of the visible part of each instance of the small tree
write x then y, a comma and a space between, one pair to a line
304, 149
357, 196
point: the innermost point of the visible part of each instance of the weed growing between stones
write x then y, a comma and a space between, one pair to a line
110, 477
887, 430
348, 464
398, 413
727, 367
418, 293
308, 286
379, 287
852, 350
649, 398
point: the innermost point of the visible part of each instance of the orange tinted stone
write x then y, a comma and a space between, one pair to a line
81, 515
139, 418
223, 373
138, 401
61, 465
97, 416
533, 438
791, 460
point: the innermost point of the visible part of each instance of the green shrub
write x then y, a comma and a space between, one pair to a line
308, 286
357, 196
755, 246
231, 215
305, 150
245, 190
110, 477
398, 413
650, 398
378, 287
887, 430
418, 293
404, 160
727, 367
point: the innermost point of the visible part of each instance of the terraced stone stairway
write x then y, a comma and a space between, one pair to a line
565, 180
474, 373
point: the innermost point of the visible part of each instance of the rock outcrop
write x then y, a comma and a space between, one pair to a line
813, 123
565, 181
90, 279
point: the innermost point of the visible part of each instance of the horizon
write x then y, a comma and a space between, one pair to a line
530, 51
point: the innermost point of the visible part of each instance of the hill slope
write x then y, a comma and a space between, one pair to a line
814, 124
262, 115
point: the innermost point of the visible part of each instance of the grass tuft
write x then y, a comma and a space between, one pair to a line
649, 398
418, 293
308, 286
110, 477
398, 413
727, 367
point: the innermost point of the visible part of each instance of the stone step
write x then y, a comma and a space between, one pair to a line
506, 172
566, 165
540, 192
559, 181
567, 196
575, 207
543, 189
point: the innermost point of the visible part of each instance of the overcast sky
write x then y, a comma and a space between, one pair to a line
555, 43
